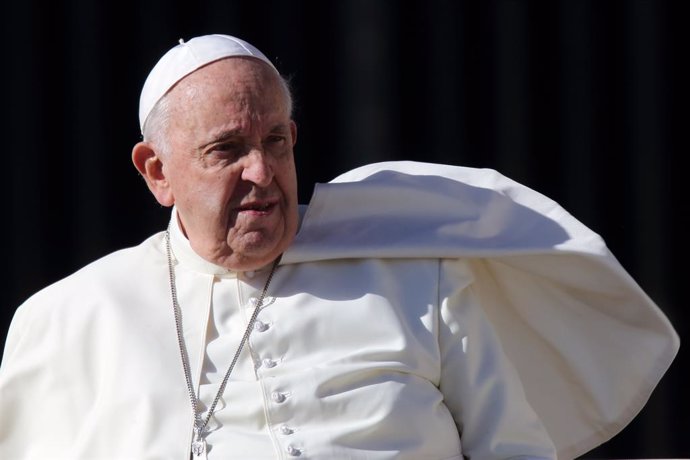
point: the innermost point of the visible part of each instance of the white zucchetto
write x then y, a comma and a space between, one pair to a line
184, 59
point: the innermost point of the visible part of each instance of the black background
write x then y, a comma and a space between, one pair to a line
581, 100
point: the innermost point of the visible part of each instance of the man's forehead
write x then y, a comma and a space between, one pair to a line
186, 58
239, 84
229, 70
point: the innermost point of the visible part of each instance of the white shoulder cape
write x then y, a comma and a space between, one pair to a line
588, 343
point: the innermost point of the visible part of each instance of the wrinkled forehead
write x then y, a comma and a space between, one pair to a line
233, 80
188, 57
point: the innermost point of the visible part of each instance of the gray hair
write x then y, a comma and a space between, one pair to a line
156, 126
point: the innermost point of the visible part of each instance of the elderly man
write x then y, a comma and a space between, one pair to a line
412, 311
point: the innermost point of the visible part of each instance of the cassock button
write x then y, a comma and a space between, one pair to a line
260, 326
269, 363
284, 429
250, 274
278, 397
293, 451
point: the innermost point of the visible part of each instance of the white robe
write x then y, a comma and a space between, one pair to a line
401, 256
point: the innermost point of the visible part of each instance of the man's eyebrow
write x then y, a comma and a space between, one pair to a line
220, 137
226, 134
280, 128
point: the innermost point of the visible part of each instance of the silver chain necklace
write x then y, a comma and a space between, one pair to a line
199, 441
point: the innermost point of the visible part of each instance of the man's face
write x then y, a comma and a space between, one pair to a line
230, 164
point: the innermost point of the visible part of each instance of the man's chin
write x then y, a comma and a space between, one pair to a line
253, 255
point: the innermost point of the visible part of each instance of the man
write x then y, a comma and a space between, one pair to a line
419, 312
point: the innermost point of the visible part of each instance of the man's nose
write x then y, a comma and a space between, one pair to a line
257, 168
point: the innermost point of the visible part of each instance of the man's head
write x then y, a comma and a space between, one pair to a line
218, 145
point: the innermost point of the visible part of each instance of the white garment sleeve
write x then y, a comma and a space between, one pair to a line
480, 386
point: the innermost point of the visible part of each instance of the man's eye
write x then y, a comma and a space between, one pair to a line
275, 139
233, 148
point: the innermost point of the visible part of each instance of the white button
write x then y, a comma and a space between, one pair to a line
293, 451
250, 274
260, 326
252, 302
284, 429
278, 397
269, 363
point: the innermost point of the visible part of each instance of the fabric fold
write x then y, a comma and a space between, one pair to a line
565, 310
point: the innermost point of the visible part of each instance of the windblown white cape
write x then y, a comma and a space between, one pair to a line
566, 312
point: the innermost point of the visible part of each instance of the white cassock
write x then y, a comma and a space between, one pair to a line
423, 312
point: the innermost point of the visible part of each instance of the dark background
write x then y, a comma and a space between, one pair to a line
581, 100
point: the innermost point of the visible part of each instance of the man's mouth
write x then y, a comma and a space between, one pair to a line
256, 207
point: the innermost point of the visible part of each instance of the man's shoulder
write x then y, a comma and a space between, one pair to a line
106, 292
112, 273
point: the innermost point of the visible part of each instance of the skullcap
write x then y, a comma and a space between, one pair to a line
184, 59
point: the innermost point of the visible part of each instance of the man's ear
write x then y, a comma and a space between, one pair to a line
149, 164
